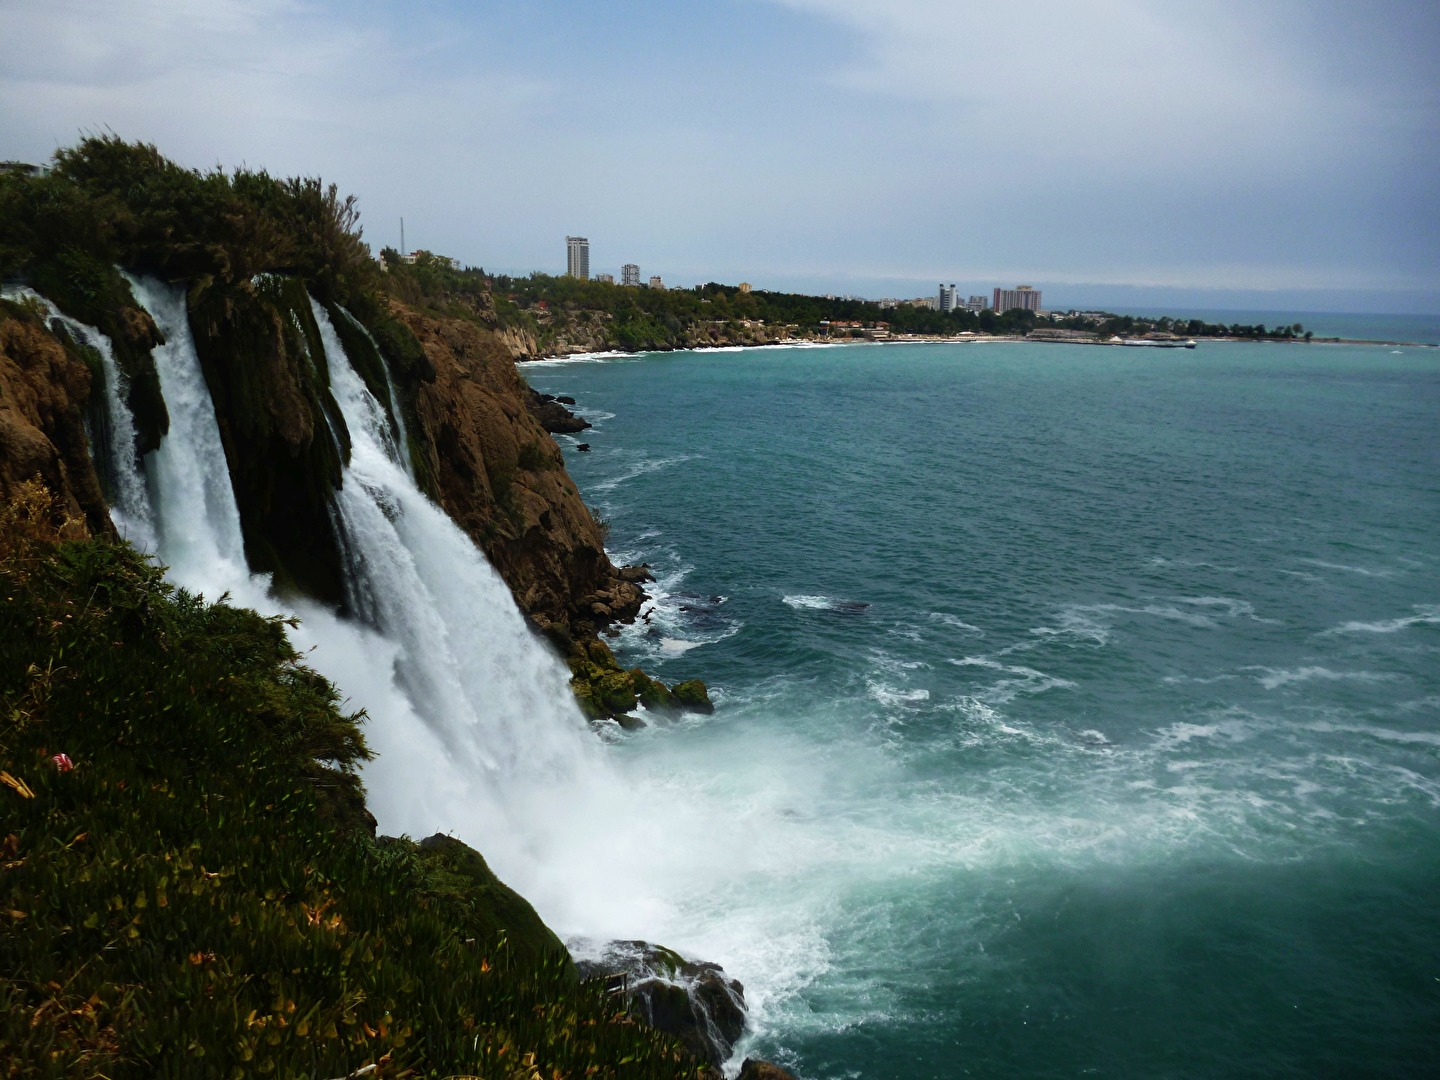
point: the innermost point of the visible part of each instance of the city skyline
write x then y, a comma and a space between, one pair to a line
1281, 154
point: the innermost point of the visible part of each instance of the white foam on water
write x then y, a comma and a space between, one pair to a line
891, 696
1362, 571
642, 467
803, 602
809, 603
1026, 680
673, 621
1425, 615
955, 623
580, 358
1274, 678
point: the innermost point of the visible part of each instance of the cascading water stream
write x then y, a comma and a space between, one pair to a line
192, 501
399, 434
129, 500
498, 698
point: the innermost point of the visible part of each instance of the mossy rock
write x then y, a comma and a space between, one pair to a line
599, 653
616, 692
693, 696
456, 871
652, 693
630, 722
584, 692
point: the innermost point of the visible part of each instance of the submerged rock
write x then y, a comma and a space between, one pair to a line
693, 1000
755, 1069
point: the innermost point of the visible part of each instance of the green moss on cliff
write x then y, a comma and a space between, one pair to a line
192, 891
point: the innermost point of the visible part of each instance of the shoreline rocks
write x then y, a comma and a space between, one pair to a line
693, 1000
552, 414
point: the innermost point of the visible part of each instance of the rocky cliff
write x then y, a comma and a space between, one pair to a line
44, 393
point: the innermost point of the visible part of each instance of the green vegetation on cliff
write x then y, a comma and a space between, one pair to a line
188, 882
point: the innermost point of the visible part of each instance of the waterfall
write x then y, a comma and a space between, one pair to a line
119, 463
399, 433
197, 523
467, 655
474, 727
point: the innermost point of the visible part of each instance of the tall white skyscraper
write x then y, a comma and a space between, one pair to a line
577, 257
630, 274
947, 297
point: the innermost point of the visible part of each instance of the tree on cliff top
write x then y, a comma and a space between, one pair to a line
117, 202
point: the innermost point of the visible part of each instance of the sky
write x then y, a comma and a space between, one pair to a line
1219, 153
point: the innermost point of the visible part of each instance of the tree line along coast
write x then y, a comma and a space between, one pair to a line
542, 315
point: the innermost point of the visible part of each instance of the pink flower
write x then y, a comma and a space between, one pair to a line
63, 762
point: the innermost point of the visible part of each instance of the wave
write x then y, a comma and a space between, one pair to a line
1024, 680
1361, 570
1426, 615
674, 620
826, 603
580, 358
1274, 678
642, 468
955, 623
891, 696
1094, 622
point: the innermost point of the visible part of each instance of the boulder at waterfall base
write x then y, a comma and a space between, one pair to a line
693, 1000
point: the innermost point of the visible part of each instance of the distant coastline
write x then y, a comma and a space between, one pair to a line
578, 353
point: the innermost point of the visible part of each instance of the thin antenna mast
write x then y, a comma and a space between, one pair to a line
402, 236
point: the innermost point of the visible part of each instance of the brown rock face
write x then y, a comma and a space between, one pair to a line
499, 474
44, 389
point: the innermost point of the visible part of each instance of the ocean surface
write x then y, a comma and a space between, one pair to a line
1078, 709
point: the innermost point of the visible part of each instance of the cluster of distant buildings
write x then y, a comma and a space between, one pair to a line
1001, 300
577, 265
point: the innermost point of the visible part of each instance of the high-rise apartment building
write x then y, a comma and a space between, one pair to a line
656, 282
577, 257
947, 297
1022, 296
608, 279
630, 274
975, 304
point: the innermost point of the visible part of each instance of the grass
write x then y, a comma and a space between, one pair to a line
200, 895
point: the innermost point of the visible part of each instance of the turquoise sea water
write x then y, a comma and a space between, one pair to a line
1094, 692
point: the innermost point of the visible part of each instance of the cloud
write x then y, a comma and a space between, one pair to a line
1096, 140
1130, 84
